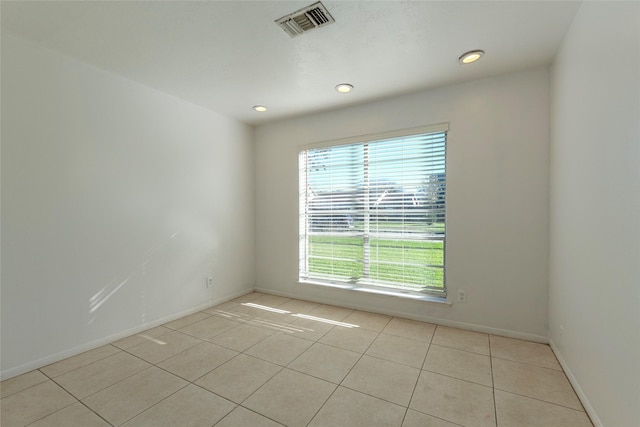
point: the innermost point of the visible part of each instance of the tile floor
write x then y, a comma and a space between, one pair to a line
263, 360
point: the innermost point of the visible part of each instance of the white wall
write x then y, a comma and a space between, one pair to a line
497, 200
117, 201
595, 210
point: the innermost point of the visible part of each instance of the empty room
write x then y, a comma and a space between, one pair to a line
336, 213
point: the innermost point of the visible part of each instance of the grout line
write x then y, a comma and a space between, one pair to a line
240, 351
81, 366
250, 321
263, 384
157, 403
77, 401
415, 385
424, 359
459, 349
398, 363
357, 361
257, 413
189, 382
188, 324
493, 386
104, 388
47, 378
436, 417
94, 412
208, 372
375, 397
456, 378
324, 403
529, 364
540, 400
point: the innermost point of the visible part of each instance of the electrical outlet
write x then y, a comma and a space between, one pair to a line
462, 295
209, 282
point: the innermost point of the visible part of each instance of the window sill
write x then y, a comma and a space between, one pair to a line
391, 293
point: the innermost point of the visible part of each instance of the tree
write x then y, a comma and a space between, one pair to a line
432, 197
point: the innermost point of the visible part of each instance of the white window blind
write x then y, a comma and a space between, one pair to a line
372, 211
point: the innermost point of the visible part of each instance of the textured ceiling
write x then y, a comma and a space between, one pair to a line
230, 55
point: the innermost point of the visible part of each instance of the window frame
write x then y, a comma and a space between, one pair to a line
303, 235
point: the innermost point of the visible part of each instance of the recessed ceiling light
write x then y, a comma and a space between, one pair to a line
344, 88
471, 56
260, 108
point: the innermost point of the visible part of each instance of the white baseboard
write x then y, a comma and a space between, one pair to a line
36, 364
576, 386
437, 321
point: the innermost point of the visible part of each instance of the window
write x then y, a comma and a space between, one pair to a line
372, 212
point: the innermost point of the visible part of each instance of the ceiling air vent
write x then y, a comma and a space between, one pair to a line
305, 19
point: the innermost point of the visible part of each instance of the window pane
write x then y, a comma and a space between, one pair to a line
336, 256
373, 213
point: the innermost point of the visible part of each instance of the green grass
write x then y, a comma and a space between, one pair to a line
417, 226
343, 256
